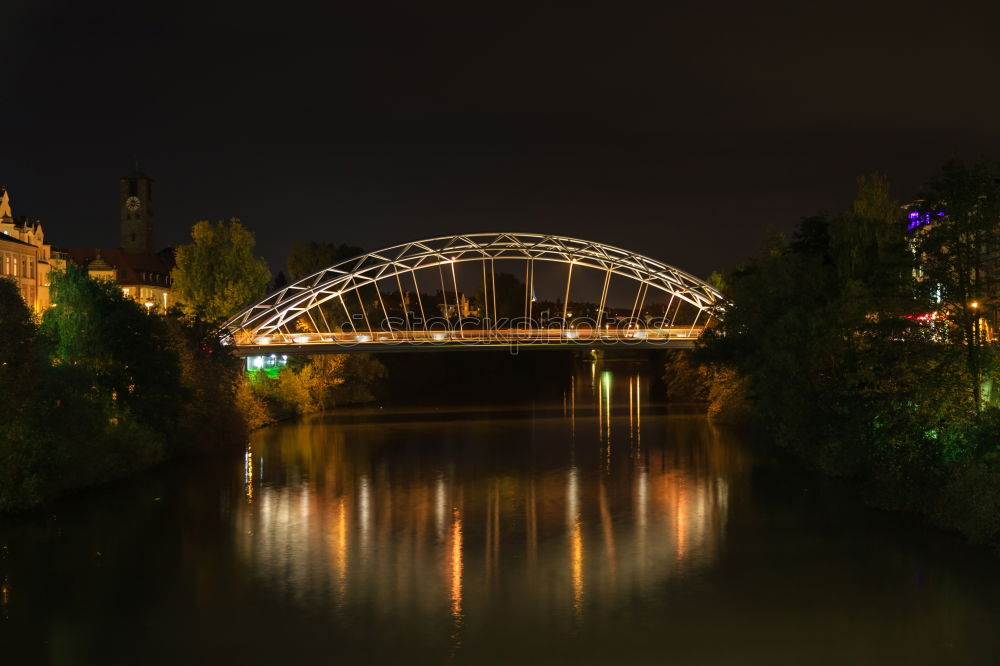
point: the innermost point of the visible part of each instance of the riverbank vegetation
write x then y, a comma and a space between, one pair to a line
100, 387
218, 274
864, 346
308, 385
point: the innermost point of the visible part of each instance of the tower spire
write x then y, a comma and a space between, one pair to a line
136, 200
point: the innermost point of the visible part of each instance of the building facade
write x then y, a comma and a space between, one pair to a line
26, 258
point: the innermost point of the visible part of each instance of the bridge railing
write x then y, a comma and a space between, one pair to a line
521, 336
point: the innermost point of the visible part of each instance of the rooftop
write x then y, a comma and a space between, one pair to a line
136, 175
10, 239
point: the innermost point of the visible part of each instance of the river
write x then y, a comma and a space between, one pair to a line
590, 524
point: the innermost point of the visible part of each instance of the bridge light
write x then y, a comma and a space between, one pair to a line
438, 336
300, 339
264, 340
570, 334
361, 337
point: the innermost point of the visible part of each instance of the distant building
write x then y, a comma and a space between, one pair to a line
25, 257
451, 306
144, 275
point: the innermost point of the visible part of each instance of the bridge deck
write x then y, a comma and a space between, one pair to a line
468, 340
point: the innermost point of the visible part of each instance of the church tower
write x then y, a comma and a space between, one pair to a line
135, 199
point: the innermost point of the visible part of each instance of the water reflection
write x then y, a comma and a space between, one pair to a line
4, 598
456, 577
590, 529
357, 514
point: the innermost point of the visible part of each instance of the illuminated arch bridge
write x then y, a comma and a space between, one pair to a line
480, 291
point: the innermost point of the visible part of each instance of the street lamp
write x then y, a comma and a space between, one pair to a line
148, 305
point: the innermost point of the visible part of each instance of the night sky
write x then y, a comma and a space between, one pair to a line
680, 130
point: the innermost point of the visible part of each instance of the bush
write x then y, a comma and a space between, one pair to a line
684, 379
727, 395
253, 407
308, 385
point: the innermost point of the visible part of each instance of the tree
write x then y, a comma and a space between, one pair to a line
120, 352
717, 280
962, 208
102, 388
210, 418
218, 273
361, 379
22, 368
824, 330
307, 258
505, 299
18, 348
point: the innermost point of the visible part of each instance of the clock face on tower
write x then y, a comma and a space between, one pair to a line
133, 203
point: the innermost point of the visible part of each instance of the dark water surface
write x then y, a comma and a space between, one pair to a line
590, 527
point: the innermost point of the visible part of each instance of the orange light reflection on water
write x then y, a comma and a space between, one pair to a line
341, 549
456, 576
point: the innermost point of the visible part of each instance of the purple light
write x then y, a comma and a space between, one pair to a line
918, 219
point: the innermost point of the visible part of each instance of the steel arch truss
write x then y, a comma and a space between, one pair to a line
276, 319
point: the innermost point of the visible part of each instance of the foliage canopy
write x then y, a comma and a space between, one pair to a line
218, 274
849, 358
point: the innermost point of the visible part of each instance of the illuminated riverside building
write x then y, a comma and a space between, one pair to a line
26, 257
144, 275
